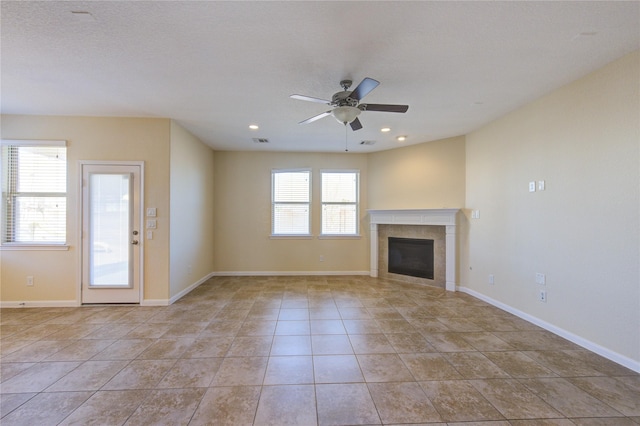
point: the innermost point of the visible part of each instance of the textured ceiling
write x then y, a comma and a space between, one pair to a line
217, 67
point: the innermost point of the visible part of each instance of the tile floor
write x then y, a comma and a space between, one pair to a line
303, 351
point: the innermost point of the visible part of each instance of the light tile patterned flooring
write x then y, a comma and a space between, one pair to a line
303, 351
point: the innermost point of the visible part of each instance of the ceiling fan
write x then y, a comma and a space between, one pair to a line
346, 104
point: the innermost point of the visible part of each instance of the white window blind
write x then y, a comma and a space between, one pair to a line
34, 192
340, 202
291, 200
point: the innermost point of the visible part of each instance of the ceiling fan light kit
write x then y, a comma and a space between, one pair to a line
345, 114
346, 104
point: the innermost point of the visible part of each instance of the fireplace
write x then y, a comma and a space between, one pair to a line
410, 256
436, 224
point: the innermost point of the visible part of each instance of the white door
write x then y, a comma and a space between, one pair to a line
111, 240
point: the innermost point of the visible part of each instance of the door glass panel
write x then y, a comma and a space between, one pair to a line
110, 230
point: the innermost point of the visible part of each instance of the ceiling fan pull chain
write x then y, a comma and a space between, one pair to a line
346, 138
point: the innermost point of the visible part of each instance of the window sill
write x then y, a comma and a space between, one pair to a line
339, 237
34, 247
290, 237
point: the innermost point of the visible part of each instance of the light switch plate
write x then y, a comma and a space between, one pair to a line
540, 185
151, 224
151, 211
532, 186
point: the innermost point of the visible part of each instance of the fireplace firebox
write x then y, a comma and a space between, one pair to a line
412, 257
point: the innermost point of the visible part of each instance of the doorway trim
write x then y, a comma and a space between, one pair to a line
81, 164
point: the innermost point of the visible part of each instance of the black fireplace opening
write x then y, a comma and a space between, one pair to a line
412, 257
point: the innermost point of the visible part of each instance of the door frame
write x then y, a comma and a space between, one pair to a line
80, 202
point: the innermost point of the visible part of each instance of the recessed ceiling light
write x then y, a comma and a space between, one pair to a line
385, 129
401, 138
253, 126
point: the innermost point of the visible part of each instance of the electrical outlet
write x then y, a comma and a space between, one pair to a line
542, 296
30, 280
491, 279
540, 279
532, 186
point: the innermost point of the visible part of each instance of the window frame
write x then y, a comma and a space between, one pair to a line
274, 203
356, 203
6, 193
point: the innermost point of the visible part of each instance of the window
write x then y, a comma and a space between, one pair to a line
340, 202
291, 202
34, 192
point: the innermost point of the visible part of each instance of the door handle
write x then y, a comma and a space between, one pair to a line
134, 242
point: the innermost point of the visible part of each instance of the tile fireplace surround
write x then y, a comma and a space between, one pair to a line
432, 217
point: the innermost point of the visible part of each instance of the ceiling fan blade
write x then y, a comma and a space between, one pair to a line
365, 86
315, 117
384, 108
356, 125
310, 99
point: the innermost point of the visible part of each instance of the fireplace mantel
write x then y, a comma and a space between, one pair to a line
436, 217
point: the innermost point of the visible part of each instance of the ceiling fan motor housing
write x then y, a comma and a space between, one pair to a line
343, 99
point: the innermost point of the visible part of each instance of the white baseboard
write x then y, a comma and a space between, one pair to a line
155, 302
71, 303
578, 340
284, 273
41, 304
189, 289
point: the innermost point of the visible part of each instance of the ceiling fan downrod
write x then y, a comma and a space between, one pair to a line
345, 84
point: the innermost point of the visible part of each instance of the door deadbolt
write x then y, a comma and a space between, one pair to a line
135, 232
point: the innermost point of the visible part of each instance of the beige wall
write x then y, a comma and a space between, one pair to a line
424, 176
583, 230
56, 272
191, 219
242, 217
